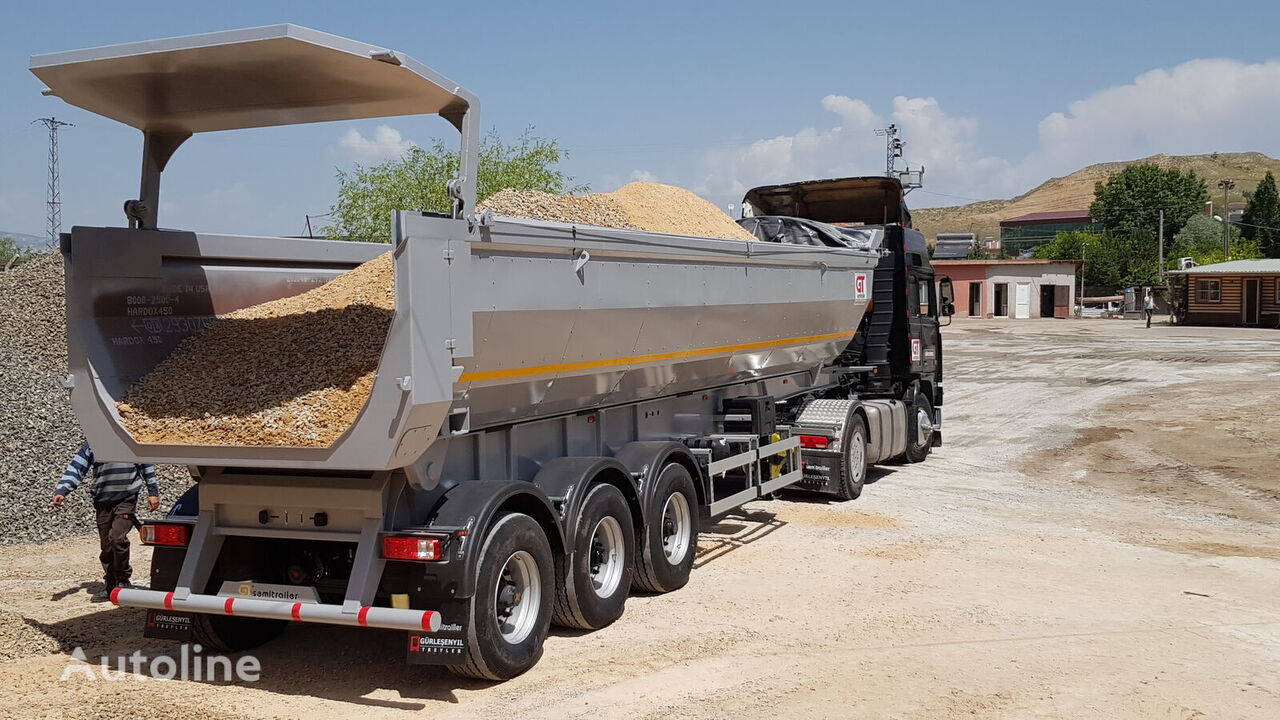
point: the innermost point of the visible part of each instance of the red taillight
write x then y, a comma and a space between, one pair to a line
814, 442
410, 548
165, 534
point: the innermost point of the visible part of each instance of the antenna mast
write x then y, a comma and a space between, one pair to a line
910, 179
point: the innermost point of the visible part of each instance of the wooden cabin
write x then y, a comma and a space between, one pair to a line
1238, 292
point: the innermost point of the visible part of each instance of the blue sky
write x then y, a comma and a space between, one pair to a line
994, 97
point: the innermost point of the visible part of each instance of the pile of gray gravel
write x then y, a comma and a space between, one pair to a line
38, 432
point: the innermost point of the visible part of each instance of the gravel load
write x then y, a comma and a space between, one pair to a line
638, 206
38, 432
292, 372
578, 209
296, 372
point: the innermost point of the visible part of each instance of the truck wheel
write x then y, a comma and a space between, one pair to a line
233, 634
670, 539
510, 613
593, 580
919, 430
854, 463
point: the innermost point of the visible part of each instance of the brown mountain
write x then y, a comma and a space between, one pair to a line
1075, 191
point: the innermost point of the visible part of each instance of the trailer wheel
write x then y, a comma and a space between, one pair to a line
853, 472
594, 578
919, 430
232, 634
670, 539
510, 613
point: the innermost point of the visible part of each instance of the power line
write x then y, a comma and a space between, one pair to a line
53, 220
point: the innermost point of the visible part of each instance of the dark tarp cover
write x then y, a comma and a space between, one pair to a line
798, 231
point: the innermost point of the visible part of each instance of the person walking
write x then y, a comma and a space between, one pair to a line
114, 490
1149, 307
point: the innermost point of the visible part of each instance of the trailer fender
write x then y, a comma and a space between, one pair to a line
566, 481
645, 460
473, 506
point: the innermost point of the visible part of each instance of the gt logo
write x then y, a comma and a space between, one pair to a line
860, 286
915, 350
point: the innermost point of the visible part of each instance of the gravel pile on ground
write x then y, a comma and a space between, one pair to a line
38, 431
291, 372
20, 638
636, 206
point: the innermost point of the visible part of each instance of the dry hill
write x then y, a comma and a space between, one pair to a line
1075, 191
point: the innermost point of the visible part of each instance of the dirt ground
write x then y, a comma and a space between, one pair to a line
1099, 538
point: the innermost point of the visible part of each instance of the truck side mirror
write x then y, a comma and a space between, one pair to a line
946, 293
948, 309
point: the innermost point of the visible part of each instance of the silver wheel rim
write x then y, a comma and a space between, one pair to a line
606, 556
857, 454
924, 427
517, 597
676, 528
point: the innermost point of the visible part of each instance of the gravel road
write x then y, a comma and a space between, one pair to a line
1096, 540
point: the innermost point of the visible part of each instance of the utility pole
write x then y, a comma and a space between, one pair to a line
1226, 186
53, 221
1161, 234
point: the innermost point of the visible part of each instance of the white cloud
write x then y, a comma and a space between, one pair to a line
1193, 108
387, 143
1197, 107
643, 176
810, 153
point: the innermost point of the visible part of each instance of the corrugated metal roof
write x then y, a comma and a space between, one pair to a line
1234, 267
1008, 261
1051, 216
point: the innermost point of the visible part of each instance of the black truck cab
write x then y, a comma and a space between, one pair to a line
899, 341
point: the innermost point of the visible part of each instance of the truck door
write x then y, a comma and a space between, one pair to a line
922, 303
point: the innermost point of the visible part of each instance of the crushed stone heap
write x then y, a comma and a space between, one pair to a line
296, 372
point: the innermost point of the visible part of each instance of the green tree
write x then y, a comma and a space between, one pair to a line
1262, 217
1110, 261
1131, 200
416, 181
12, 254
1201, 240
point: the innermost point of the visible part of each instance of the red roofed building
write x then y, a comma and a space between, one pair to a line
1020, 235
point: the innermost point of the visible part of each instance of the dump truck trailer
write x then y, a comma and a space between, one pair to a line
556, 410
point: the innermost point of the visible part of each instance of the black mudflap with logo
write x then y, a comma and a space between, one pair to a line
446, 646
822, 471
168, 625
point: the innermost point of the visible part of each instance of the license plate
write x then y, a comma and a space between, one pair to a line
268, 591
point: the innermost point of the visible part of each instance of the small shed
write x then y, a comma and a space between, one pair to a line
1237, 292
1011, 288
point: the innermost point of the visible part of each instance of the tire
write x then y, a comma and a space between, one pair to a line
853, 474
594, 579
670, 539
919, 443
516, 549
232, 634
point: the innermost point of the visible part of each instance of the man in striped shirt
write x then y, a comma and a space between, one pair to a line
114, 490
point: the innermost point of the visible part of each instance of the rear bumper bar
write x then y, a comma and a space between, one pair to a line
368, 616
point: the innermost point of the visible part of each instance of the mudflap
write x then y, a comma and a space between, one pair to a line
446, 646
822, 471
168, 625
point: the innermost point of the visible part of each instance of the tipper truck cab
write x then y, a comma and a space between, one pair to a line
556, 408
893, 365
